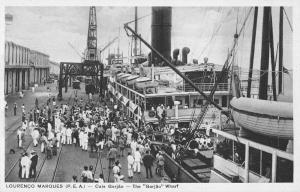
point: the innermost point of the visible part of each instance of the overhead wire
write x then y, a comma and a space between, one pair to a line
215, 30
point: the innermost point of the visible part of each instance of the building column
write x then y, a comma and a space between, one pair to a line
246, 162
19, 80
274, 166
12, 89
5, 81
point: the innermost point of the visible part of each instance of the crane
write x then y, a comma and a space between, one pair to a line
77, 52
106, 46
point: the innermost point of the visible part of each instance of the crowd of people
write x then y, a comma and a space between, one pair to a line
91, 126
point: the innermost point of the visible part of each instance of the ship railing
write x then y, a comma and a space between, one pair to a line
207, 87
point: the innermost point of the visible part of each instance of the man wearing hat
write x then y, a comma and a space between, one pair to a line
116, 170
34, 161
25, 163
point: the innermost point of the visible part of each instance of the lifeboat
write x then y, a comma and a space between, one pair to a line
271, 118
131, 79
146, 84
140, 82
121, 75
123, 78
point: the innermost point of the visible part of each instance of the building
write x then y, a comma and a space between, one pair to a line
54, 67
23, 67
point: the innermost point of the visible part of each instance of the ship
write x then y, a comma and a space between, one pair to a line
235, 128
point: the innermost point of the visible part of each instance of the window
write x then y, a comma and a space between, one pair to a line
239, 153
266, 164
224, 101
154, 102
285, 170
225, 149
254, 160
187, 101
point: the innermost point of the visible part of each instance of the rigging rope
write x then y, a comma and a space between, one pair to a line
139, 18
288, 19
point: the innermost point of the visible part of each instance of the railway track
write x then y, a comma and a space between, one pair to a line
26, 149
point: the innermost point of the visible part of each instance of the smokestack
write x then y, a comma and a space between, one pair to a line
185, 52
195, 61
161, 32
175, 54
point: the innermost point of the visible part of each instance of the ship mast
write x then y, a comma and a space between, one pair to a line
264, 66
272, 59
280, 47
136, 30
252, 53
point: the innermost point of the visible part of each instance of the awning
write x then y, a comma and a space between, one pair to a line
132, 106
109, 87
113, 90
125, 100
119, 95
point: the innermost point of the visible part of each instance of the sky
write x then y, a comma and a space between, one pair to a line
207, 31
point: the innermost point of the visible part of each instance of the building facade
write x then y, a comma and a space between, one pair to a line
23, 67
54, 67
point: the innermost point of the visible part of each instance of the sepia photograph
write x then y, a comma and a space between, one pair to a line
148, 94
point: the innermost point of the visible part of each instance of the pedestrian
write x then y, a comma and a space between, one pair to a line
20, 166
130, 162
25, 163
90, 175
85, 139
74, 179
116, 171
58, 138
20, 137
84, 174
109, 144
137, 161
90, 96
43, 141
92, 143
53, 102
160, 163
35, 136
23, 108
112, 154
122, 146
34, 161
69, 135
101, 179
76, 137
63, 134
148, 160
81, 138
36, 102
15, 109
133, 146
